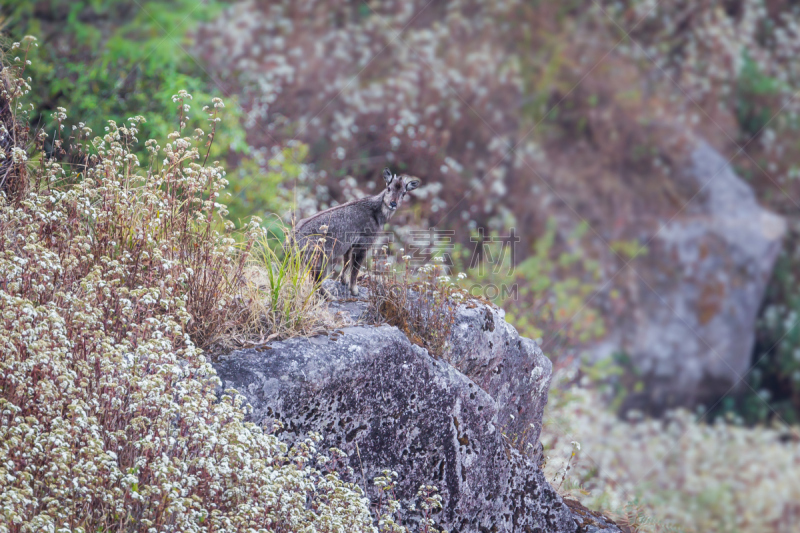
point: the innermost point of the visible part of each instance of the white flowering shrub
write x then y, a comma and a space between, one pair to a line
295, 63
110, 277
14, 85
674, 474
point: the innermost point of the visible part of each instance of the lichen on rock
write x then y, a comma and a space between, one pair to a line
389, 405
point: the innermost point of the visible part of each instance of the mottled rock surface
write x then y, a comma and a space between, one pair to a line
489, 351
373, 394
511, 368
689, 328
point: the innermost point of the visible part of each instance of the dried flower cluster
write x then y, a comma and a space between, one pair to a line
421, 303
13, 127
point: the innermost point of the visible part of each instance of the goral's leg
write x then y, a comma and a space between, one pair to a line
357, 256
345, 266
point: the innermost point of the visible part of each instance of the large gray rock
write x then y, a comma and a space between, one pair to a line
490, 352
691, 322
389, 405
511, 368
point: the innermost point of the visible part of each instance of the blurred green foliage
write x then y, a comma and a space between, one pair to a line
774, 381
264, 187
114, 59
754, 92
546, 295
560, 285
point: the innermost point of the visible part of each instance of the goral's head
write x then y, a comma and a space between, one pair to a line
396, 189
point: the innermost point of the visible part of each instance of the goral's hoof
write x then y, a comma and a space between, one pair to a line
354, 291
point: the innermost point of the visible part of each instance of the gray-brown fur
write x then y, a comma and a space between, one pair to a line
349, 230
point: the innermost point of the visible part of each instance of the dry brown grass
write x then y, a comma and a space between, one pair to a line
422, 304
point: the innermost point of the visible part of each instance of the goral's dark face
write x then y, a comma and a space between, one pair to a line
396, 188
395, 192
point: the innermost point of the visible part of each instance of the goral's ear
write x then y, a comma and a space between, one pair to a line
411, 185
387, 175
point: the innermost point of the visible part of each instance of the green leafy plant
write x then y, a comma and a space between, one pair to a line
755, 91
285, 299
265, 185
111, 59
774, 382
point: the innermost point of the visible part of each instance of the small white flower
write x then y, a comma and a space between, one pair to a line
19, 155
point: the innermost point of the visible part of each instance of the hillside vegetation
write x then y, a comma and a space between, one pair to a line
119, 259
110, 277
